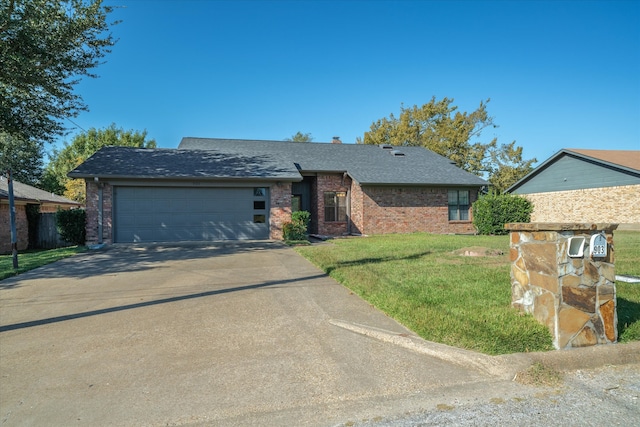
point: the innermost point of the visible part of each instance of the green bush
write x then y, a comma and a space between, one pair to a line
492, 211
71, 225
296, 229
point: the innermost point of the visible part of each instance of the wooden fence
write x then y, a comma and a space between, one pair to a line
47, 236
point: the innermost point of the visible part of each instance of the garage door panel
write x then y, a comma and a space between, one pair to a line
170, 214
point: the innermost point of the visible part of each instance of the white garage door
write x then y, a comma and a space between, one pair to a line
177, 214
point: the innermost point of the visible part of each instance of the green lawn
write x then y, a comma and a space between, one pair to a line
460, 301
28, 260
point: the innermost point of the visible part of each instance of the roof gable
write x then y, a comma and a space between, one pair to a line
28, 193
571, 169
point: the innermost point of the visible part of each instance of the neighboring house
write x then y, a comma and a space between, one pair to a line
24, 195
576, 185
220, 189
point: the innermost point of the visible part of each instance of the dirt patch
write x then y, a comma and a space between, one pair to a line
478, 251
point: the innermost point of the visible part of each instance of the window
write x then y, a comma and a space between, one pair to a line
458, 205
260, 192
335, 206
259, 219
259, 204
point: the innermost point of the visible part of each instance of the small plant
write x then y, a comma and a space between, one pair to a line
71, 225
296, 229
539, 374
492, 211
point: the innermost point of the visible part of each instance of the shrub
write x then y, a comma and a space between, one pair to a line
296, 229
71, 225
492, 211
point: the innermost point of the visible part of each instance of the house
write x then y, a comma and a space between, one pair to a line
221, 189
576, 185
24, 195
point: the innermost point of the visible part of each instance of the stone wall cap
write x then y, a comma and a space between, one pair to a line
560, 226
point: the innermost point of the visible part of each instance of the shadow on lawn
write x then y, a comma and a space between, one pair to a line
628, 314
365, 261
130, 258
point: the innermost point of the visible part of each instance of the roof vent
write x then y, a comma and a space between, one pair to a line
397, 153
386, 146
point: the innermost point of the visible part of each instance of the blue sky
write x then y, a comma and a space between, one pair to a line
560, 74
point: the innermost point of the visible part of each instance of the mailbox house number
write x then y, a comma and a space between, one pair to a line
599, 246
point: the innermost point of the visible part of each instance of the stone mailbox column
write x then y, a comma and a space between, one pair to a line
574, 296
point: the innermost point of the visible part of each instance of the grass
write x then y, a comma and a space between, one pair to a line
460, 301
627, 261
28, 260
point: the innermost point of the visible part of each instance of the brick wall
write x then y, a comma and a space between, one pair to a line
280, 210
92, 212
406, 210
335, 182
611, 204
22, 228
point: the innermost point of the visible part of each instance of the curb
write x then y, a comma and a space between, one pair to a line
508, 365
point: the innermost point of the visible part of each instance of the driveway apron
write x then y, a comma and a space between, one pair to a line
225, 334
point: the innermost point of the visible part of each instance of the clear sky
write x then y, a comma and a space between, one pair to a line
560, 74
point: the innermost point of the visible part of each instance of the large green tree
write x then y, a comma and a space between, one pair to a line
442, 128
23, 158
81, 148
46, 47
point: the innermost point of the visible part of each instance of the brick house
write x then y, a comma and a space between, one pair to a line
219, 189
577, 185
24, 195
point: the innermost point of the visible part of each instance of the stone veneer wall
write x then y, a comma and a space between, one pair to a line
609, 204
92, 206
22, 228
280, 209
574, 297
409, 209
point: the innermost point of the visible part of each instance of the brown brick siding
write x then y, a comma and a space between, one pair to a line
22, 228
611, 204
280, 211
334, 182
407, 210
92, 213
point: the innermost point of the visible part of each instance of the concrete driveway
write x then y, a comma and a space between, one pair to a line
231, 334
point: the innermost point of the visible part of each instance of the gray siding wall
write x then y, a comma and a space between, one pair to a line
570, 173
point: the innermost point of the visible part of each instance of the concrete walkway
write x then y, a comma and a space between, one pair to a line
231, 334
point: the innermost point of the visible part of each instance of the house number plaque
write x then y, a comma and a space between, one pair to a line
598, 246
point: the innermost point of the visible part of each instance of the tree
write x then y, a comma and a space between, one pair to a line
300, 137
81, 148
23, 158
45, 48
440, 127
506, 166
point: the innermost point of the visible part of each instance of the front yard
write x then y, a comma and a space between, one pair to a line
423, 282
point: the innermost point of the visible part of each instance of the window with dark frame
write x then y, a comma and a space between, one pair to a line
335, 206
458, 205
259, 205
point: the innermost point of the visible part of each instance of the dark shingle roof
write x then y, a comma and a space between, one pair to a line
29, 193
367, 164
210, 158
127, 162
